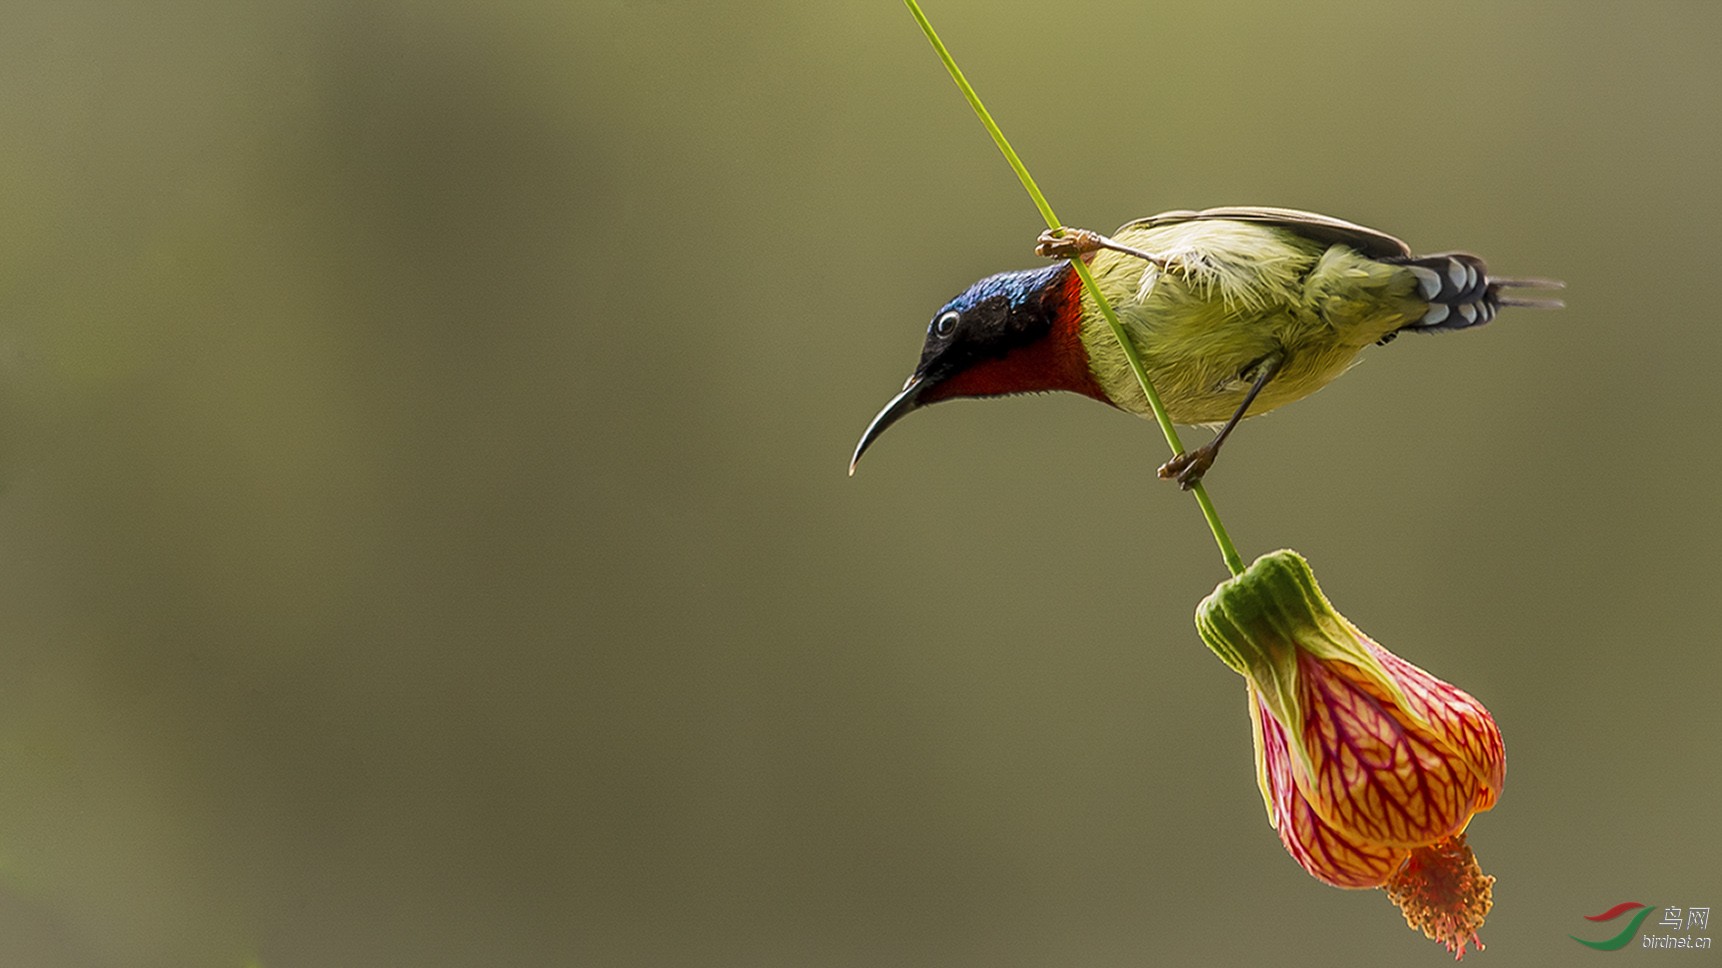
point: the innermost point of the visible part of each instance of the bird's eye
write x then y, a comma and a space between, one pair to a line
946, 324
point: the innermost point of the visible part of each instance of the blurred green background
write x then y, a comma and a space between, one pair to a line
425, 538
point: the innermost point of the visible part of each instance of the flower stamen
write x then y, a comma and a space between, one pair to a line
1444, 893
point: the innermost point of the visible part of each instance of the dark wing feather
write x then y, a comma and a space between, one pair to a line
1322, 228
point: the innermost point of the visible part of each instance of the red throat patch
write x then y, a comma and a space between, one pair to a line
1056, 361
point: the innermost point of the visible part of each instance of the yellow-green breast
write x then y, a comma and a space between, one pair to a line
1236, 293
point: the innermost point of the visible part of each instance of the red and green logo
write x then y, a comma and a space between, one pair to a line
1626, 934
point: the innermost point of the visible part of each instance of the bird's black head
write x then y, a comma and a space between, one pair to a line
999, 336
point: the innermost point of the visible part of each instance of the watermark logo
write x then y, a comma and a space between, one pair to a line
1674, 919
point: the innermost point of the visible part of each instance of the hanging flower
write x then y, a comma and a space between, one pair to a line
1370, 767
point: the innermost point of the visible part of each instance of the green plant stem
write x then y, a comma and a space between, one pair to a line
1229, 552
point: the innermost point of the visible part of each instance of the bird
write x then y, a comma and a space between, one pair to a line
1235, 311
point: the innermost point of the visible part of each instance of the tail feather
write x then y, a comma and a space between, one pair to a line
1531, 303
1461, 294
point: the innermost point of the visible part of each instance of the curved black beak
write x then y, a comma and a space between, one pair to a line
899, 407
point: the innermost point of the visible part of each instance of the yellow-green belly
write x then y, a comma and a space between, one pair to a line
1238, 293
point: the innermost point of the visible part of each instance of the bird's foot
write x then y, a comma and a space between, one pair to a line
1068, 243
1188, 468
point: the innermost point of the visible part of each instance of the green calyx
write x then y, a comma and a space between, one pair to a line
1257, 623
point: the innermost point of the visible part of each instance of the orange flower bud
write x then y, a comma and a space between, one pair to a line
1370, 767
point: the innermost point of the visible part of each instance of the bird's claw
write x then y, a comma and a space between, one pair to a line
1065, 242
1188, 468
1068, 243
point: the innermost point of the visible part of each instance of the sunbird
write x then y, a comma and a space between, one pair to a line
1235, 312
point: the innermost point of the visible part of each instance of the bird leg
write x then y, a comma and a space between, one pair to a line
1069, 243
1188, 468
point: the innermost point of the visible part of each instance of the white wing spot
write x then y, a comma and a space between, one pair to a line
1435, 315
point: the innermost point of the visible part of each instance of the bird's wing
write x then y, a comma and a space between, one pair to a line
1323, 228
